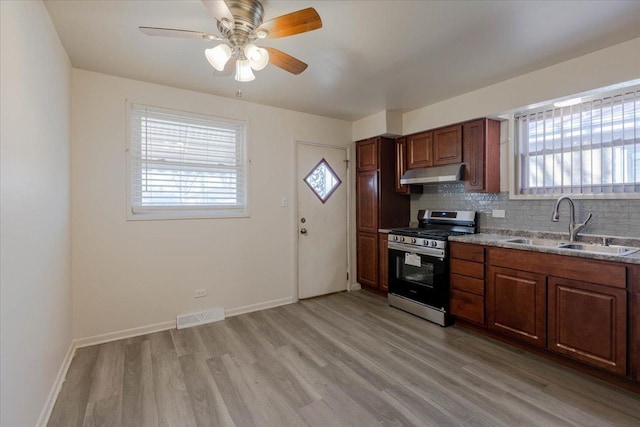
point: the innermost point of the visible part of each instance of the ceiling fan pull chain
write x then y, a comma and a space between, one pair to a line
238, 90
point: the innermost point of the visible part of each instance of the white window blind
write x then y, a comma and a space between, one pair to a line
185, 164
589, 148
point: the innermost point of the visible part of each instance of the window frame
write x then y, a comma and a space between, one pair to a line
184, 212
514, 156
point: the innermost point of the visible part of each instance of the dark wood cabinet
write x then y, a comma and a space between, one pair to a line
401, 168
481, 148
378, 205
383, 258
475, 143
467, 282
587, 322
634, 335
420, 150
447, 145
367, 201
516, 304
367, 249
367, 155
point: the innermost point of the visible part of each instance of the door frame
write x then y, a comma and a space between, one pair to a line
296, 215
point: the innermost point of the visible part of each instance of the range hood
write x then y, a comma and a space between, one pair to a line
437, 174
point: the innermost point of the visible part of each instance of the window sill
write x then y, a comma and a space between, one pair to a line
173, 215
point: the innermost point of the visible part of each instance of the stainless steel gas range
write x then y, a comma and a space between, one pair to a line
419, 263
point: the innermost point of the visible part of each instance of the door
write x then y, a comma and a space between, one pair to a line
322, 219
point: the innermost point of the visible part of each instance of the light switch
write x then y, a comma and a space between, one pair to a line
285, 202
498, 213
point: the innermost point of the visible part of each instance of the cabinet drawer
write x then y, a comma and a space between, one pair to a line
467, 306
468, 284
466, 251
467, 268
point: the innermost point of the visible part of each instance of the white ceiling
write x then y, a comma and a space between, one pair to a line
368, 57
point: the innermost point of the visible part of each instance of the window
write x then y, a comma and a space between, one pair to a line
592, 147
184, 165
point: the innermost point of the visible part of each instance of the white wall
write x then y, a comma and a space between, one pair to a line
616, 64
35, 252
129, 274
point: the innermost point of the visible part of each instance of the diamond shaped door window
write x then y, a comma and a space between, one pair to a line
322, 180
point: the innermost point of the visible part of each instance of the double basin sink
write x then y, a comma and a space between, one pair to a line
576, 246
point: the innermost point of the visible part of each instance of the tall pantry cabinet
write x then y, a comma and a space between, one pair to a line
378, 205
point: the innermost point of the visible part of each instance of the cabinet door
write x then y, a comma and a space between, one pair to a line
481, 154
420, 150
447, 145
467, 306
367, 201
516, 304
401, 165
367, 155
383, 257
367, 259
473, 137
588, 322
634, 336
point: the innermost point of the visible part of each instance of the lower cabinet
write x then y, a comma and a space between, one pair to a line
367, 250
516, 304
634, 336
383, 257
588, 322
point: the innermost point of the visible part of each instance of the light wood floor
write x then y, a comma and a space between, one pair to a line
340, 360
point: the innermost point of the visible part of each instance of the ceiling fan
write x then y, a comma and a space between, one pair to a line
240, 25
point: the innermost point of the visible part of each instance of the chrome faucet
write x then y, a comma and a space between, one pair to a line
573, 228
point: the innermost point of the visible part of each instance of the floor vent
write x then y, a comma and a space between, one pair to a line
195, 319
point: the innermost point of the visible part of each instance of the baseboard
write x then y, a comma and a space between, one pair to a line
126, 333
57, 386
259, 306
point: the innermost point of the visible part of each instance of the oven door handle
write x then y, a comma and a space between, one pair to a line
435, 253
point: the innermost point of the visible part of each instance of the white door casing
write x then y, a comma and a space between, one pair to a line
322, 237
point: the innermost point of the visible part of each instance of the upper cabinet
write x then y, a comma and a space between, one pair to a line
367, 155
481, 153
435, 148
475, 143
401, 168
447, 145
420, 150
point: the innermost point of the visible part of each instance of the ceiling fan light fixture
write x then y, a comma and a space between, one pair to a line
218, 56
258, 57
243, 71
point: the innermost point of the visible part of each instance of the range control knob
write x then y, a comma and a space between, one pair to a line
395, 238
413, 240
434, 243
402, 239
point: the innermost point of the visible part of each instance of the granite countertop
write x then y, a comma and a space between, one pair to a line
384, 230
499, 239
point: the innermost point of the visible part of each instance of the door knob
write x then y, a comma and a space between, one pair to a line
303, 231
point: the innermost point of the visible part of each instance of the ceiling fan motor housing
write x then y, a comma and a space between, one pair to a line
248, 15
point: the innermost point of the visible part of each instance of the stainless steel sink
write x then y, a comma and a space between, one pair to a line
575, 246
536, 242
612, 250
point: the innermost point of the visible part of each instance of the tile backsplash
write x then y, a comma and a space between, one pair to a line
610, 217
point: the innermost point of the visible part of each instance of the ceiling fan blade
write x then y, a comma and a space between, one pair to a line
183, 34
292, 23
286, 61
219, 11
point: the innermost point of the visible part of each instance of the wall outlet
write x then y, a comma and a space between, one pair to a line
498, 213
285, 202
201, 293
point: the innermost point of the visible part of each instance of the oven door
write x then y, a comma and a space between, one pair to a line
419, 274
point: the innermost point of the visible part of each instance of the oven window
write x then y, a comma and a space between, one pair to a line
420, 275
